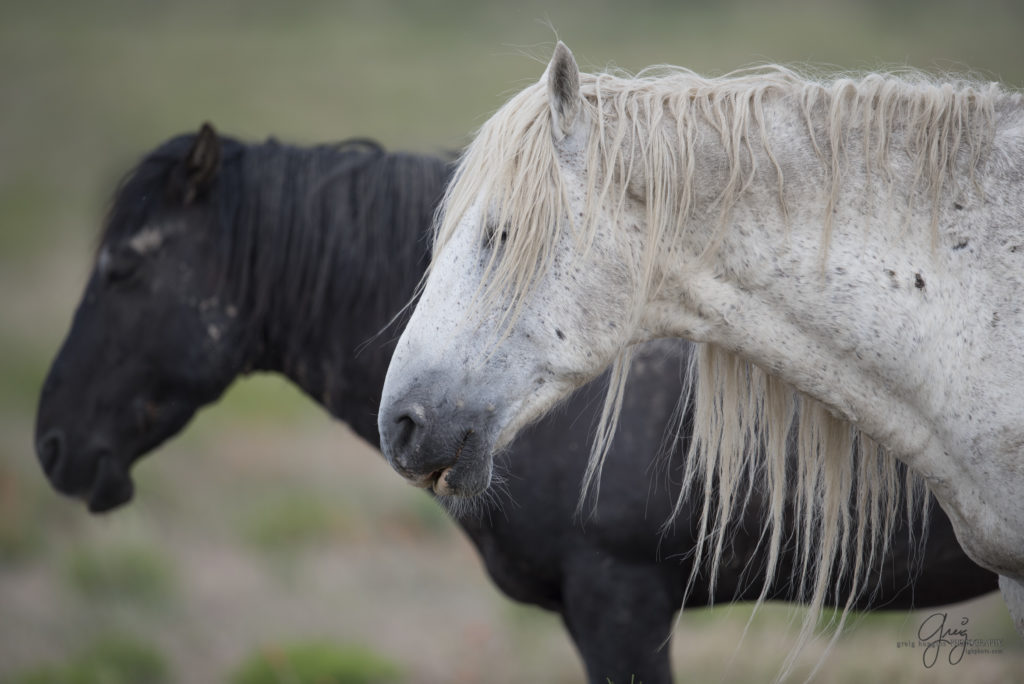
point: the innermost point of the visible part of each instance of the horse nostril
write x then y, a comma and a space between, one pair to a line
406, 432
49, 449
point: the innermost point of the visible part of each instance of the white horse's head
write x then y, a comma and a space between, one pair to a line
524, 301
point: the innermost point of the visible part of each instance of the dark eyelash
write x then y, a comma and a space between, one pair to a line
490, 233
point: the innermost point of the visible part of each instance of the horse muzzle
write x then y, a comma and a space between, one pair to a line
95, 476
445, 451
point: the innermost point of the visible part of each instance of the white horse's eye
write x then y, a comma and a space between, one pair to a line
493, 237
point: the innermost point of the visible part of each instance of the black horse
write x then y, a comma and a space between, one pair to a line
221, 258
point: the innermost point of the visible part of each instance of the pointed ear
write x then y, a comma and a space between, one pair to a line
564, 97
201, 162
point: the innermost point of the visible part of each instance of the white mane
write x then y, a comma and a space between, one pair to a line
647, 127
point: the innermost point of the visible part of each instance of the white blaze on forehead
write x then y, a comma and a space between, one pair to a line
147, 240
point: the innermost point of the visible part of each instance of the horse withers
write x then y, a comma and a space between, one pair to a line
220, 258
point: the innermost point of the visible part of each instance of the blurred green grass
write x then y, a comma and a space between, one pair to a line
317, 663
290, 522
263, 397
113, 659
125, 571
87, 88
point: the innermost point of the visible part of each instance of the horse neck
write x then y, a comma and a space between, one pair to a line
352, 252
893, 305
773, 279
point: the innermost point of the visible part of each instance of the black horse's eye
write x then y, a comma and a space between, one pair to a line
119, 264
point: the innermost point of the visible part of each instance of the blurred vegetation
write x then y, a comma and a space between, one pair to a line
317, 664
112, 660
420, 516
20, 533
265, 397
22, 368
291, 522
124, 572
88, 88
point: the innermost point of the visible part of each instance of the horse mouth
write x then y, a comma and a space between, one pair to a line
436, 481
96, 476
469, 474
111, 487
440, 483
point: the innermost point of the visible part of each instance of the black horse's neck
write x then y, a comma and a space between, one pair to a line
334, 241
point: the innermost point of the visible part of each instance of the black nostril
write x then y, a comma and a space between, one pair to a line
49, 449
406, 431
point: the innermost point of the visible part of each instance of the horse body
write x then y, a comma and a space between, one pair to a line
321, 247
681, 206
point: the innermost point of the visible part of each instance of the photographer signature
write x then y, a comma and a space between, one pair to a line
934, 633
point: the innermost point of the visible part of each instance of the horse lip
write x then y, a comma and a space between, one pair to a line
422, 481
428, 481
440, 483
439, 478
111, 487
460, 478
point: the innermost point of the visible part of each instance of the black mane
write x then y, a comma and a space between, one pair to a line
287, 216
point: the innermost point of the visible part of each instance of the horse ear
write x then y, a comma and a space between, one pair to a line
201, 162
564, 97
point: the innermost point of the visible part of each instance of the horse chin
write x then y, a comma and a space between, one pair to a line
112, 487
468, 508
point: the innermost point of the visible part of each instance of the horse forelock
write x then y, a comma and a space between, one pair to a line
511, 165
744, 417
142, 191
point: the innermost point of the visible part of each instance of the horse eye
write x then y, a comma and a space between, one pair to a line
120, 264
491, 234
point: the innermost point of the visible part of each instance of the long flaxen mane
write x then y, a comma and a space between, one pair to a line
745, 419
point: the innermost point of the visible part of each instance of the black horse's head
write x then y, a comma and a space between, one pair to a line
153, 338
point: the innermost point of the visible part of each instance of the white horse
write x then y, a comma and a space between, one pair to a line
850, 251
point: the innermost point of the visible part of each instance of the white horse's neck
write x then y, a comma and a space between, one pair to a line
906, 336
